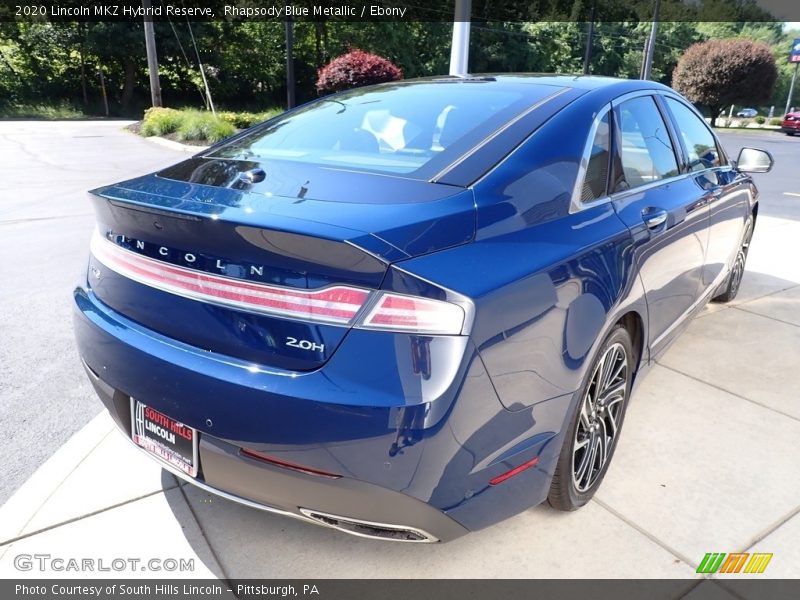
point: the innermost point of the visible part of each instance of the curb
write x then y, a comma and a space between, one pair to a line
172, 145
28, 499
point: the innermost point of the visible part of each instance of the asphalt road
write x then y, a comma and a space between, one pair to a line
45, 224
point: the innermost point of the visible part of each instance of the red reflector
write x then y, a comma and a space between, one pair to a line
286, 465
515, 471
336, 304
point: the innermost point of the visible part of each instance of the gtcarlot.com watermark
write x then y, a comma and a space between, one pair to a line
57, 564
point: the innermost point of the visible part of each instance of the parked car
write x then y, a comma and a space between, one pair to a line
747, 113
412, 310
791, 123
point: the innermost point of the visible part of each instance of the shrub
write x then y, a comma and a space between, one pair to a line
355, 69
203, 126
160, 121
744, 123
227, 116
720, 72
198, 125
776, 121
761, 120
243, 120
60, 110
267, 114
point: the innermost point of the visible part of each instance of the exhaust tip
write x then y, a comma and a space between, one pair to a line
370, 529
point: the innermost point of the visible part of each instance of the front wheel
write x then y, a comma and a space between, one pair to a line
595, 426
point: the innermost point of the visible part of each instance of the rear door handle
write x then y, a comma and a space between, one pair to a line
654, 218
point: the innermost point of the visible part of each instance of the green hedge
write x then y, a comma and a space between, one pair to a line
198, 125
243, 120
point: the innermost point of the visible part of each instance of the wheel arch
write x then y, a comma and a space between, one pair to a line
633, 322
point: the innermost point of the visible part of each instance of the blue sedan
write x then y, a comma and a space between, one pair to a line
412, 310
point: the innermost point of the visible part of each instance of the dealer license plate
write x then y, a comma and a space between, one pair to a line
167, 439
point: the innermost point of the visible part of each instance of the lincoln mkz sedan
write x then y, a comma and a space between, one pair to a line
412, 310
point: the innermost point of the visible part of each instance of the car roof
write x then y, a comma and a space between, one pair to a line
597, 88
580, 82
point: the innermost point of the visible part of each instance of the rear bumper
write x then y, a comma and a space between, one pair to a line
382, 513
415, 444
790, 127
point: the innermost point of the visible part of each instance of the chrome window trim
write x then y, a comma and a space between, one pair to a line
648, 186
720, 149
576, 204
614, 196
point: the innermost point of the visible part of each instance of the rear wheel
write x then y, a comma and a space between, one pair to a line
595, 426
737, 270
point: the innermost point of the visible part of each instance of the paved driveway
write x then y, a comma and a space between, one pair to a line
45, 224
707, 461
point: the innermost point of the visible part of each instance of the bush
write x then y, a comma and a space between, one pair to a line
761, 120
243, 120
160, 121
267, 114
721, 72
776, 121
203, 126
355, 69
198, 125
744, 123
61, 110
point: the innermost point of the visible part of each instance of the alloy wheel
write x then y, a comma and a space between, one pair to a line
600, 417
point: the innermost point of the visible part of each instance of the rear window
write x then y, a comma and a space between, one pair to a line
393, 129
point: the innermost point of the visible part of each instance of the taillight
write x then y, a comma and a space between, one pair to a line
396, 312
338, 304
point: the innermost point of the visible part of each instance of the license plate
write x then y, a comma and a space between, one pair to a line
164, 437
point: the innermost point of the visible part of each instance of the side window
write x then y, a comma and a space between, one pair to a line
596, 176
646, 154
697, 138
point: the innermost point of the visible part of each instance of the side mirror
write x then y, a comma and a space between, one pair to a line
753, 160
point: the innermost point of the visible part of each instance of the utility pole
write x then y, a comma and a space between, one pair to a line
791, 88
103, 89
459, 48
587, 58
650, 46
290, 85
152, 59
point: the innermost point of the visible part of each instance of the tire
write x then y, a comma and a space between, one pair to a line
578, 473
790, 133
734, 280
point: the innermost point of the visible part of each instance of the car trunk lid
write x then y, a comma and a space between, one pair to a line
176, 250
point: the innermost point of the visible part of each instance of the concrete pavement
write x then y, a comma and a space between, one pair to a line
705, 464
